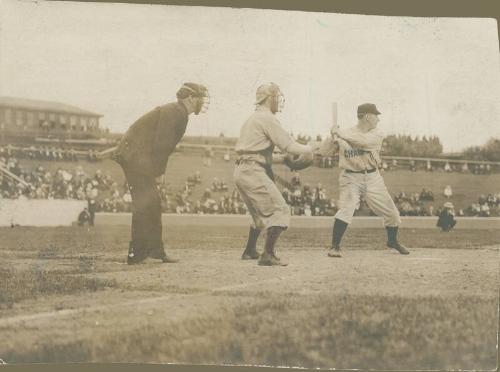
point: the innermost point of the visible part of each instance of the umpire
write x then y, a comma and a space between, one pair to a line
143, 154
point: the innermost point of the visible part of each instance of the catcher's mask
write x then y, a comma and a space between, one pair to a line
197, 91
273, 91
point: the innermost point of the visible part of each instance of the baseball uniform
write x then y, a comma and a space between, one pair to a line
253, 174
359, 159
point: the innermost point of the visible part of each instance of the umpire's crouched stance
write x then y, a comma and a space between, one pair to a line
253, 175
143, 154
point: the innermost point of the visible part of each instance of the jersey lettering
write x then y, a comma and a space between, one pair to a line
351, 153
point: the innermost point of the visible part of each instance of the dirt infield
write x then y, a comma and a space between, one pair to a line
68, 296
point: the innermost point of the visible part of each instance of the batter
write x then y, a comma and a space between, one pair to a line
359, 160
253, 175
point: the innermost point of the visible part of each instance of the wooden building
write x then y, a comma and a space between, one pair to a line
25, 120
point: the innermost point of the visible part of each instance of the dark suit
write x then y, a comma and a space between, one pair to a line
143, 154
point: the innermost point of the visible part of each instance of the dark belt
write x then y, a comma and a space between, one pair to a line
362, 171
266, 167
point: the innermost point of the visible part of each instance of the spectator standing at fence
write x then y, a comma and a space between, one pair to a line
413, 168
323, 162
197, 177
484, 210
208, 154
448, 192
91, 209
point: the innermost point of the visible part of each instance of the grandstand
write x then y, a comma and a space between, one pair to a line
66, 140
467, 187
28, 121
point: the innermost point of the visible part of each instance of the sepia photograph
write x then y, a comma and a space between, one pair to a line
229, 186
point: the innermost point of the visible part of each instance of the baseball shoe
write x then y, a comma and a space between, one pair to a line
335, 252
399, 247
161, 255
268, 260
134, 260
250, 255
167, 259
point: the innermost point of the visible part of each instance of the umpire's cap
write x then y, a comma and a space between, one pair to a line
368, 108
191, 89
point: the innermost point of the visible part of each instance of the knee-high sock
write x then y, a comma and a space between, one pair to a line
253, 235
273, 234
392, 233
339, 228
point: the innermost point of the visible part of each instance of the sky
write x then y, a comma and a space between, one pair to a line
428, 76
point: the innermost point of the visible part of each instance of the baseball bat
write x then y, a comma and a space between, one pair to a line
334, 119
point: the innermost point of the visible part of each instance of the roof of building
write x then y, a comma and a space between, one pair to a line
38, 105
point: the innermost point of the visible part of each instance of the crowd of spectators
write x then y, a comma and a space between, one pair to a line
50, 153
436, 166
419, 165
217, 200
486, 206
306, 200
214, 200
64, 184
415, 204
106, 195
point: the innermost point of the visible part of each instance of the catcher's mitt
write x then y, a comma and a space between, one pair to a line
298, 162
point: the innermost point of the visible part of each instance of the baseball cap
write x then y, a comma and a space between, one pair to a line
266, 90
194, 89
368, 108
448, 205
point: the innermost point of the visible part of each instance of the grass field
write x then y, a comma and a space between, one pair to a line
466, 187
66, 295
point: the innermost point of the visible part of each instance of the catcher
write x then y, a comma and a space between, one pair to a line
253, 175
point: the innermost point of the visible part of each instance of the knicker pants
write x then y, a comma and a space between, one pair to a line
371, 185
261, 196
